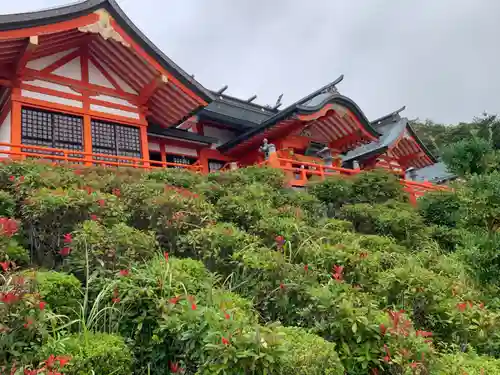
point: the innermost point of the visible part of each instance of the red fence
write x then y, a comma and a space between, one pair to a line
298, 172
21, 152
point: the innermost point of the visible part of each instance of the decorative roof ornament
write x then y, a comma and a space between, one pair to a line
104, 28
331, 90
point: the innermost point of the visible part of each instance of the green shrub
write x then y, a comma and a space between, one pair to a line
300, 205
7, 204
61, 292
173, 214
308, 354
215, 245
49, 214
470, 364
377, 187
23, 320
92, 353
109, 249
10, 250
176, 177
334, 191
135, 195
443, 208
245, 206
481, 197
398, 220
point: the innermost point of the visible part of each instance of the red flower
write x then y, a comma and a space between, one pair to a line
12, 178
63, 360
280, 241
165, 255
5, 265
9, 227
124, 272
423, 334
386, 359
193, 306
115, 299
68, 238
28, 323
88, 189
338, 269
41, 305
383, 329
414, 364
8, 298
227, 316
282, 286
481, 305
93, 217
116, 192
306, 268
65, 251
51, 361
101, 202
225, 341
21, 178
174, 367
174, 300
461, 306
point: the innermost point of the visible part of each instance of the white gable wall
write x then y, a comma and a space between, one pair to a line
72, 69
44, 62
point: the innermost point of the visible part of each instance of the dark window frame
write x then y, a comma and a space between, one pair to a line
117, 143
34, 133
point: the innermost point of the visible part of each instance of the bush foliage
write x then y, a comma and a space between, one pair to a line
108, 271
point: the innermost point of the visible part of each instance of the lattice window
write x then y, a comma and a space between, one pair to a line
179, 159
51, 129
115, 139
215, 165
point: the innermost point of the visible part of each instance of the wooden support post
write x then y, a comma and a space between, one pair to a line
204, 162
87, 139
145, 145
15, 124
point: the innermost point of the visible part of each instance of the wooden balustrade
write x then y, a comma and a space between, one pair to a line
297, 172
22, 151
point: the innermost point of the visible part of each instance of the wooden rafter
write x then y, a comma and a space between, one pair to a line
148, 90
26, 54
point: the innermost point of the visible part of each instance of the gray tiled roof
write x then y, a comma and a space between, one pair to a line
436, 173
390, 133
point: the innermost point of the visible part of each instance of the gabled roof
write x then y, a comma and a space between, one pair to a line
64, 13
236, 112
393, 128
436, 173
317, 103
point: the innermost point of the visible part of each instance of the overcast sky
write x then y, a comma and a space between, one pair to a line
440, 58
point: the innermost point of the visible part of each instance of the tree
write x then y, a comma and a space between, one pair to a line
470, 156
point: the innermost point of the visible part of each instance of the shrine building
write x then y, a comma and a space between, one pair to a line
82, 84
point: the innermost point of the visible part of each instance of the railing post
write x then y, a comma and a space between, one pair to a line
144, 144
87, 139
15, 125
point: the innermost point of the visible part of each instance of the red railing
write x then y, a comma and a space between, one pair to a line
22, 151
299, 173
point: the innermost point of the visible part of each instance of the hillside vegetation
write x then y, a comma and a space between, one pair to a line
110, 271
